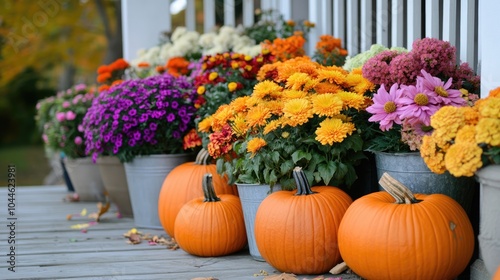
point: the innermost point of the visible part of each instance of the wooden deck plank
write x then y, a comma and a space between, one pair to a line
48, 248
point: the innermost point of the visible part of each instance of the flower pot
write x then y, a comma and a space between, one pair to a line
85, 178
489, 219
145, 176
251, 195
411, 170
115, 182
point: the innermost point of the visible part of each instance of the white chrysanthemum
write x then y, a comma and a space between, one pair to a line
178, 32
249, 50
215, 50
206, 41
227, 30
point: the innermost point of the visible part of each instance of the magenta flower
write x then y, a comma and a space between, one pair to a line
70, 115
61, 116
418, 105
78, 140
443, 93
386, 107
66, 104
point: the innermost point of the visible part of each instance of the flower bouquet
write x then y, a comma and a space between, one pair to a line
412, 86
140, 117
300, 113
61, 118
464, 139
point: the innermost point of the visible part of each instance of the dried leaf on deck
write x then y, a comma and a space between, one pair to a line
134, 238
262, 272
339, 268
282, 276
132, 231
205, 278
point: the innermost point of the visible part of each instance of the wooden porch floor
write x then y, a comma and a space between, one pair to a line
48, 248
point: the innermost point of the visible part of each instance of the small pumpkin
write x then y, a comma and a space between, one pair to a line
183, 183
297, 231
211, 226
398, 235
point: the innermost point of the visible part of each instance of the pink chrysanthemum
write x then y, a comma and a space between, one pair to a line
418, 105
444, 94
386, 107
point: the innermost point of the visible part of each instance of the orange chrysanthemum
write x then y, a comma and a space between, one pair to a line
255, 144
297, 111
266, 89
333, 131
327, 105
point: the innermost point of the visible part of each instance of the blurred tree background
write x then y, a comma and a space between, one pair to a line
47, 46
50, 45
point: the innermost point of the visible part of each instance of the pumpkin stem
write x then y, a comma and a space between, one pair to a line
303, 187
396, 189
208, 189
203, 157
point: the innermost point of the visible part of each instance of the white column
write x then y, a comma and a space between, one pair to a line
489, 60
142, 24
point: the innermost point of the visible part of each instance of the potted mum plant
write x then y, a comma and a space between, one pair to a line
412, 86
143, 122
64, 133
299, 114
465, 142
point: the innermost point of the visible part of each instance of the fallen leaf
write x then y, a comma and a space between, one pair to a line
262, 272
339, 268
134, 239
69, 216
80, 226
83, 213
282, 276
72, 240
84, 230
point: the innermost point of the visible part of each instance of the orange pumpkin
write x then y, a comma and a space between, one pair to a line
395, 235
497, 274
182, 184
297, 231
211, 226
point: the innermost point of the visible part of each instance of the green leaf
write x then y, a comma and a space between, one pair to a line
286, 167
341, 170
275, 156
299, 154
327, 170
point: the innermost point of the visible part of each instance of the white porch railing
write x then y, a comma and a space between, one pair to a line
359, 23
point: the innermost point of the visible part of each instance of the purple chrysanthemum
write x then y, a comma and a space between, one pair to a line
418, 105
443, 93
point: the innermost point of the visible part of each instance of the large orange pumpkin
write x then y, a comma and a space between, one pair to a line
211, 226
183, 184
297, 231
395, 235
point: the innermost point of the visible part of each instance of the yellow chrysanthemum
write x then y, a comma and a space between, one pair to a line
232, 86
255, 144
325, 87
257, 115
297, 80
266, 70
272, 126
351, 100
333, 76
292, 94
297, 111
446, 123
252, 101
200, 90
205, 124
285, 70
463, 159
327, 104
491, 108
333, 131
495, 92
239, 125
221, 117
432, 155
239, 104
466, 134
488, 131
213, 76
274, 106
265, 89
311, 84
471, 115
